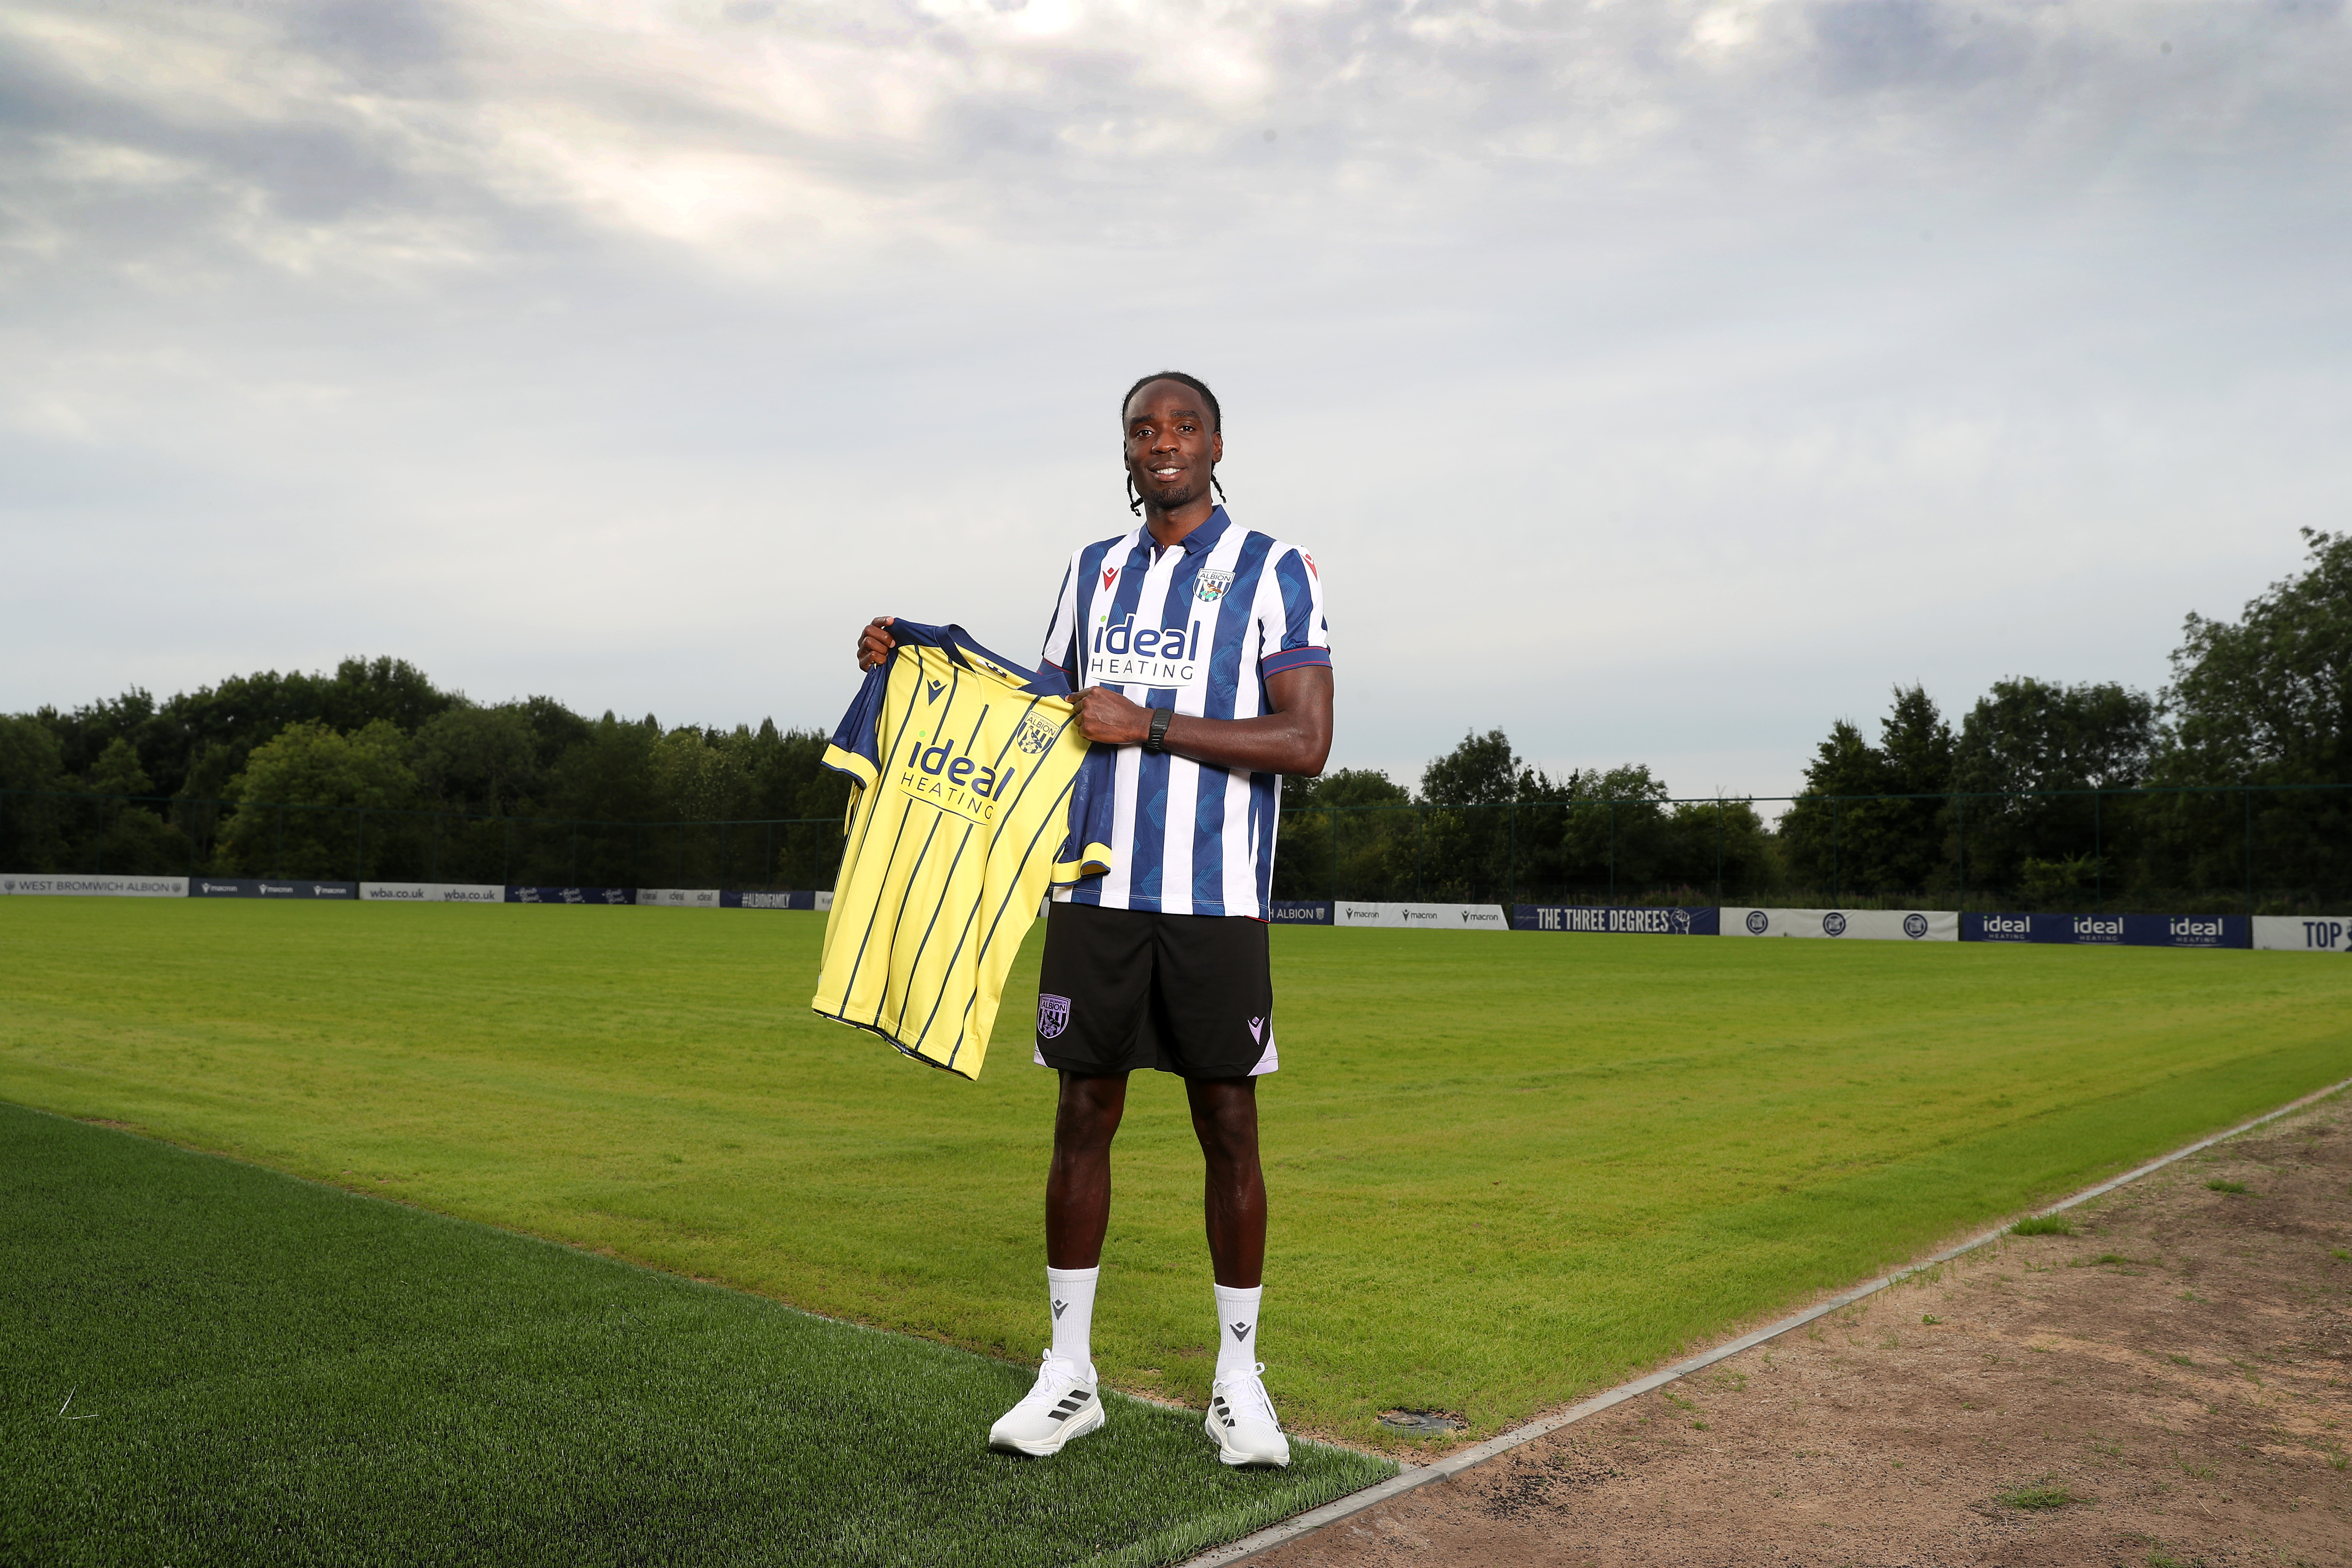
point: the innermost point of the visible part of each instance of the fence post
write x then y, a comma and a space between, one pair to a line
1719, 851
1419, 851
506, 862
359, 855
575, 851
280, 856
722, 855
1613, 851
768, 859
2248, 796
1962, 803
1335, 864
2098, 859
98, 843
1511, 893
1834, 894
437, 845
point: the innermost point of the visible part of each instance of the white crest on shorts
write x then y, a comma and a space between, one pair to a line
1053, 1016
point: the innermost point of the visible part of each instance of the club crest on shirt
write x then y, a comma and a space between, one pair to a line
1034, 735
936, 687
1212, 586
1053, 1016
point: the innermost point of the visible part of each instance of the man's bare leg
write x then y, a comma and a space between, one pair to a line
1077, 1184
1232, 1204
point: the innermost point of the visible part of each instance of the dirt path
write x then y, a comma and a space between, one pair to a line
2181, 1368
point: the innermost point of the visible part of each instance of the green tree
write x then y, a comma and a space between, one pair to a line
130, 836
1715, 850
32, 825
299, 797
2267, 698
1494, 824
1853, 830
2264, 699
477, 759
2025, 754
1612, 837
1342, 812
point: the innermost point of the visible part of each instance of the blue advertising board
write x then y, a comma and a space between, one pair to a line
1641, 920
269, 888
756, 901
1300, 912
2111, 930
571, 895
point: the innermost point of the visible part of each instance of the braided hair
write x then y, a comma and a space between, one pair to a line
1216, 423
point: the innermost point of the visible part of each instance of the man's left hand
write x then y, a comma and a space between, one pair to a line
1107, 716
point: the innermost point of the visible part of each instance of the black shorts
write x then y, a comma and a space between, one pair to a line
1123, 989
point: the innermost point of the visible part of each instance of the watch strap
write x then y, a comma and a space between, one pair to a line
1158, 740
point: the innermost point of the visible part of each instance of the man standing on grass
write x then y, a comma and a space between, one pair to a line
1200, 661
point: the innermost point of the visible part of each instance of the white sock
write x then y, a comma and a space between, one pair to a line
1070, 1293
1237, 1328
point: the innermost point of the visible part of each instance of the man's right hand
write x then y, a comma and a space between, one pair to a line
875, 643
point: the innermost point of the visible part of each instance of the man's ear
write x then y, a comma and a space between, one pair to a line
1216, 446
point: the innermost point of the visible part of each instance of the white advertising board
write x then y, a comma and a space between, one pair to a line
1420, 917
98, 887
432, 892
2304, 934
679, 897
1860, 925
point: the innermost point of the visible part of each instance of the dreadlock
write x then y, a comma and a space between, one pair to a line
1216, 423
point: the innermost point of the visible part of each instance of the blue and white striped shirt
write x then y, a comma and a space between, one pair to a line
1199, 627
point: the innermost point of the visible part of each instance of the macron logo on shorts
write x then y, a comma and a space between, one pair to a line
1053, 1016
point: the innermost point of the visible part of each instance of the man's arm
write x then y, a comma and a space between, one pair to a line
1295, 739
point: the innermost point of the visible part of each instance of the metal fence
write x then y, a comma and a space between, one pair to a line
2284, 849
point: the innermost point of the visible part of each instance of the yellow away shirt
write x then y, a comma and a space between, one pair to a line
960, 823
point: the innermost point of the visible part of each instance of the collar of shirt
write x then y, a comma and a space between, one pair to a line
1200, 542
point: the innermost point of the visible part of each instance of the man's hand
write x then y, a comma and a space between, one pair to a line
875, 643
1109, 717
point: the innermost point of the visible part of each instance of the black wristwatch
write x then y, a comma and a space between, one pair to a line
1157, 741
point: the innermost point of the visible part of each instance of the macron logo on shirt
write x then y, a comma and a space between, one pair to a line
1148, 656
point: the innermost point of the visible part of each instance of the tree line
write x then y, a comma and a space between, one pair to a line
291, 756
2016, 798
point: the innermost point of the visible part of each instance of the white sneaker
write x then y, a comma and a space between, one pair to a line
1241, 1419
1063, 1405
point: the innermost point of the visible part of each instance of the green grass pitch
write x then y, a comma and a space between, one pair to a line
209, 1363
1505, 1170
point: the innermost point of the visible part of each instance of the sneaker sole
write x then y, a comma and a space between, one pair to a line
1233, 1458
1077, 1427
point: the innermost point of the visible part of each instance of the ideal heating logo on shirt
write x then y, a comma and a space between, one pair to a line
967, 787
1148, 656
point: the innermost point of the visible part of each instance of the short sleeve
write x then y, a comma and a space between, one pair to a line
856, 747
1057, 664
1304, 637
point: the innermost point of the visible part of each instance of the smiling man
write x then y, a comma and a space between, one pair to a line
1200, 664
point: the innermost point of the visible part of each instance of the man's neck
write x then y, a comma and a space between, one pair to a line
1168, 528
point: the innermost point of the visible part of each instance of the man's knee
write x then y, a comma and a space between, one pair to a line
1088, 1113
1224, 1118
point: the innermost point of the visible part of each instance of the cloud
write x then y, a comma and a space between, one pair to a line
1658, 380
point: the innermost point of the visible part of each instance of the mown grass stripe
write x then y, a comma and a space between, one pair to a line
262, 1370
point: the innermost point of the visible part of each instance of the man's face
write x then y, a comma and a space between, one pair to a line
1171, 447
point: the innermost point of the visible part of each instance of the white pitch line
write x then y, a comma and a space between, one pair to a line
1371, 1497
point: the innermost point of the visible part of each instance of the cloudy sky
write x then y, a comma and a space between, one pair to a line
1658, 381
